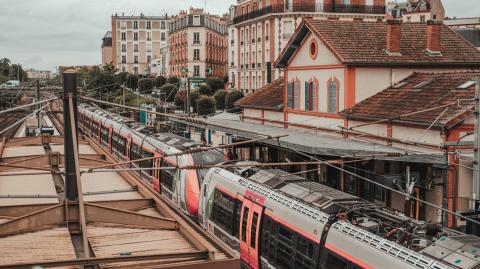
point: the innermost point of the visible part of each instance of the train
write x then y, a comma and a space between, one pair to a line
126, 140
276, 220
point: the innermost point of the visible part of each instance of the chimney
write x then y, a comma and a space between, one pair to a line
393, 36
434, 29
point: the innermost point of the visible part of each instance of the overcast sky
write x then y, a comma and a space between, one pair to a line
46, 33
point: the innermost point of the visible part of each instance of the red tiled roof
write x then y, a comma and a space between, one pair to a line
364, 43
407, 96
269, 97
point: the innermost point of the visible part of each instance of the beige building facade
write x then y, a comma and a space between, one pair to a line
259, 31
137, 40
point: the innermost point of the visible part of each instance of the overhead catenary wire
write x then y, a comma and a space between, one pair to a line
389, 188
26, 106
21, 120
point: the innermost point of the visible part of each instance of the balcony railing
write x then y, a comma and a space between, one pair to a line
333, 8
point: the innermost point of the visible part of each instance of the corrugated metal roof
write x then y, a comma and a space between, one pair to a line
106, 182
48, 245
30, 185
23, 151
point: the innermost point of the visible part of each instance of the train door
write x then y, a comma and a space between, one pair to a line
110, 138
156, 173
99, 132
128, 146
249, 233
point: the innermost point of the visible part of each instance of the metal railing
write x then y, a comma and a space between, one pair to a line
303, 7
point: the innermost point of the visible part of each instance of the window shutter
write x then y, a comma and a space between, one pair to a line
314, 96
289, 95
307, 97
296, 93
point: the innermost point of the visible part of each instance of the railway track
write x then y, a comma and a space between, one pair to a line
7, 120
55, 113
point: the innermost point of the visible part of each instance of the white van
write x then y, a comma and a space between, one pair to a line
10, 84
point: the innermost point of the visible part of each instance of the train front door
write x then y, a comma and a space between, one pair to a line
128, 147
156, 173
249, 233
110, 137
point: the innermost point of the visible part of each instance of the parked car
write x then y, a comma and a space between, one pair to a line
10, 84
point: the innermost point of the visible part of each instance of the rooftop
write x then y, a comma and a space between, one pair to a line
365, 43
268, 97
421, 91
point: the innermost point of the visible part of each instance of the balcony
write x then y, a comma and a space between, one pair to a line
302, 7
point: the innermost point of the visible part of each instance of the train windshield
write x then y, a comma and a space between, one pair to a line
208, 158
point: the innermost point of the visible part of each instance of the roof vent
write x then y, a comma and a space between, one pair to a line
399, 85
467, 84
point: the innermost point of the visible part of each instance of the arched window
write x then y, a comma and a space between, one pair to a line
311, 94
332, 91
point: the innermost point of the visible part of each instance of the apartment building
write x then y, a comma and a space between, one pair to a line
468, 28
198, 45
136, 40
260, 29
417, 10
107, 48
161, 66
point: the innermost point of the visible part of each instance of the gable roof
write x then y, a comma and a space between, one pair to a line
269, 97
421, 91
365, 43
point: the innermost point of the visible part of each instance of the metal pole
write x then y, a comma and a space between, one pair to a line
39, 114
476, 165
70, 91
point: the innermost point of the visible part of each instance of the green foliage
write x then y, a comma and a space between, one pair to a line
232, 97
170, 91
194, 96
205, 105
173, 80
133, 100
180, 98
160, 81
3, 79
220, 97
122, 77
132, 81
205, 89
145, 86
100, 80
215, 84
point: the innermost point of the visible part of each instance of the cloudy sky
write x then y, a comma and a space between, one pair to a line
46, 33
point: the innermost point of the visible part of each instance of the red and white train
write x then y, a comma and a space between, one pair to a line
123, 138
277, 220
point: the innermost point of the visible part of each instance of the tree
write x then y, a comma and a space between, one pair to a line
205, 105
160, 81
122, 77
230, 100
132, 81
110, 68
100, 80
145, 85
170, 91
194, 96
16, 72
180, 98
220, 97
205, 89
215, 84
173, 80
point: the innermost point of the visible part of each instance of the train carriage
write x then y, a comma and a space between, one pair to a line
121, 137
298, 224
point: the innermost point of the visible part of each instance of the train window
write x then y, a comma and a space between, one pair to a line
148, 163
236, 221
223, 211
285, 247
336, 262
244, 224
253, 232
134, 152
305, 253
121, 145
166, 176
104, 135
